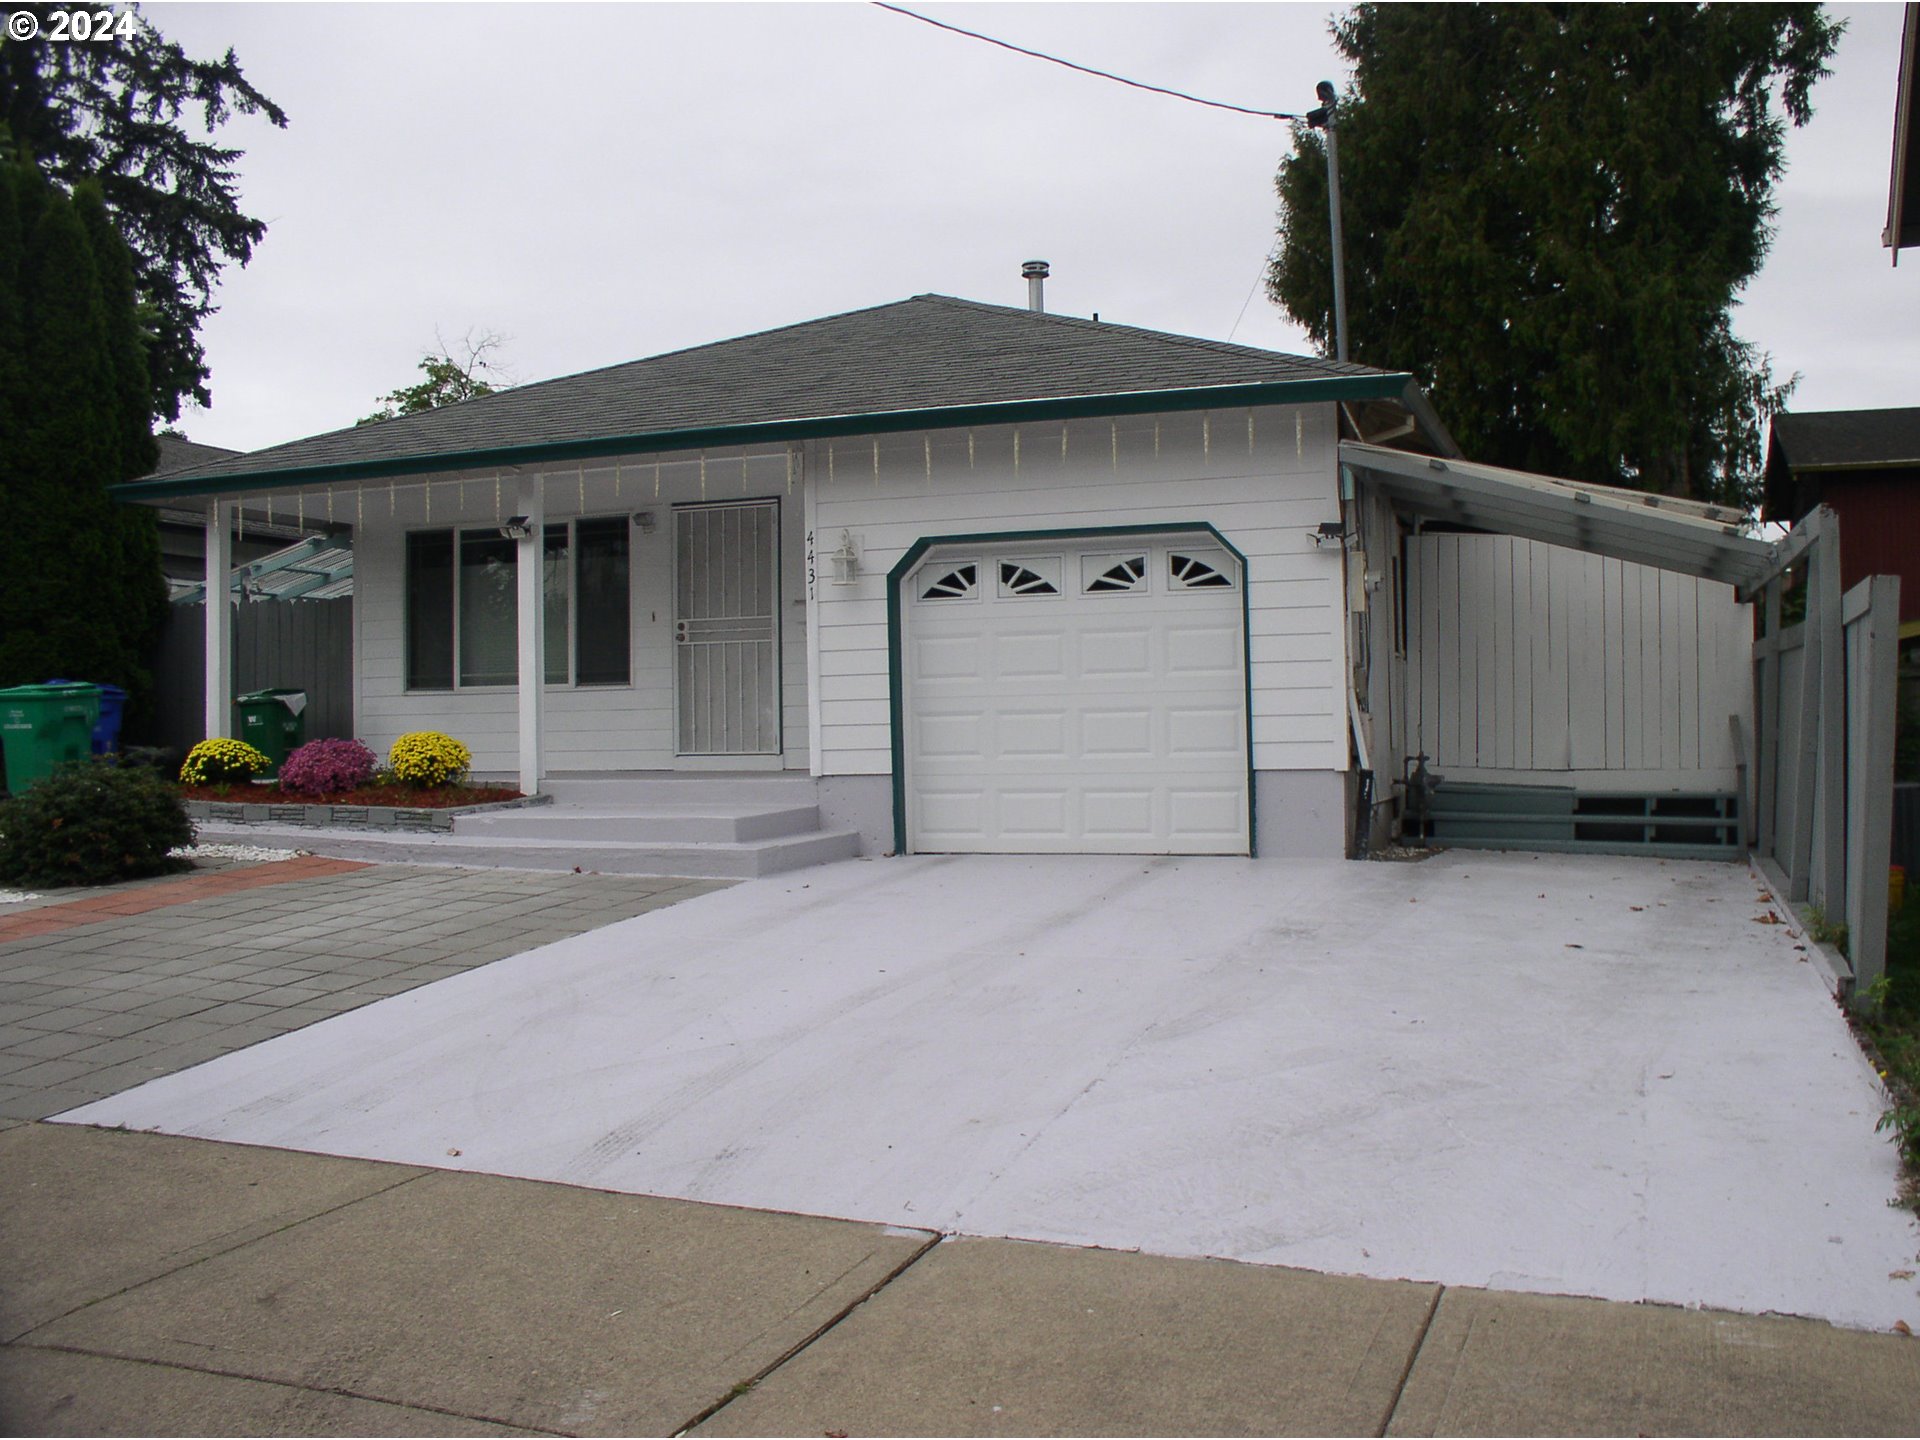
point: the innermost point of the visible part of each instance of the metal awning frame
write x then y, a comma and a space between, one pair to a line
317, 568
1679, 535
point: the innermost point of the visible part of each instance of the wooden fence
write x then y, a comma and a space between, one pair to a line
295, 644
1825, 708
1529, 662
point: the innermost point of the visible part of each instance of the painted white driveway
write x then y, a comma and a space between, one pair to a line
1586, 1075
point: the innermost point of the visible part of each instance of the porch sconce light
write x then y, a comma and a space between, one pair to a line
846, 560
1330, 530
520, 527
644, 521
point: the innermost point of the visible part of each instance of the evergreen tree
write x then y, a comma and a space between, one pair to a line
134, 114
1549, 211
82, 596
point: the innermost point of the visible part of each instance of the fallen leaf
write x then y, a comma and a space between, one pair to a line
1768, 919
1572, 946
1900, 1328
1636, 907
453, 1152
1900, 1275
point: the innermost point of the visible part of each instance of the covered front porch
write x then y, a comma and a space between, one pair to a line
660, 599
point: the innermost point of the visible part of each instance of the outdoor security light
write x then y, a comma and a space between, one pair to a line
846, 560
643, 520
520, 527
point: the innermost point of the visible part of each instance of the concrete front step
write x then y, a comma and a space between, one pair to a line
688, 787
713, 823
715, 860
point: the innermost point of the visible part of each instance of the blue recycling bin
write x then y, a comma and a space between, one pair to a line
106, 730
106, 735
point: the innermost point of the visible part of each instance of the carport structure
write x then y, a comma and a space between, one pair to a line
1583, 662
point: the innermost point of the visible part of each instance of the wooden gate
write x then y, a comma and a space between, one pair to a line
1530, 663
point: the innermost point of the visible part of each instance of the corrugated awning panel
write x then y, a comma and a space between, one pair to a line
1678, 535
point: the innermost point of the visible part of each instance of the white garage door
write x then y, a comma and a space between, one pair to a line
1077, 698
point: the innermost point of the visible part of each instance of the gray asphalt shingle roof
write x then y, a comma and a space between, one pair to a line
1828, 438
179, 453
931, 352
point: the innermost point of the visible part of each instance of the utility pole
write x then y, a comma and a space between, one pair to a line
1323, 119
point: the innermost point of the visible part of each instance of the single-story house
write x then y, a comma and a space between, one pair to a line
1003, 580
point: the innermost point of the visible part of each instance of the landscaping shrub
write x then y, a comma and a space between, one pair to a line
91, 823
327, 767
222, 762
427, 758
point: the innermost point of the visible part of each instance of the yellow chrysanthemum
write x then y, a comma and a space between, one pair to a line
215, 762
427, 758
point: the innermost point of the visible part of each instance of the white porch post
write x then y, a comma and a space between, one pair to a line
532, 629
219, 620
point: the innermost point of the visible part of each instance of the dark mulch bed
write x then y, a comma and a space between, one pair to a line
403, 796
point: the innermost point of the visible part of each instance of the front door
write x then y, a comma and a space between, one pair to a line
726, 628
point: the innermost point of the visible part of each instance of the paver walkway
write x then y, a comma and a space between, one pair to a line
163, 1286
110, 901
112, 987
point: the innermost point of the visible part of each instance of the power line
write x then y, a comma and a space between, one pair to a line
1087, 69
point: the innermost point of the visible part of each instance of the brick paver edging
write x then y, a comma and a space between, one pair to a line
169, 892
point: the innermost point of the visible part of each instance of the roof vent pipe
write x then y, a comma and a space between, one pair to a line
1035, 273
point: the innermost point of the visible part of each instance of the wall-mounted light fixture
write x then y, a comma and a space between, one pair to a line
1333, 531
520, 527
644, 521
846, 560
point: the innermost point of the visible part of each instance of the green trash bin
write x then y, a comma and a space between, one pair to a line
42, 726
274, 722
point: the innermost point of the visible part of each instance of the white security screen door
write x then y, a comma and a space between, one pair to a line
726, 628
1080, 696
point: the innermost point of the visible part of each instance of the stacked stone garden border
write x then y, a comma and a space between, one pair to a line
349, 817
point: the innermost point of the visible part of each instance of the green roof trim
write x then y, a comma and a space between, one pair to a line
1315, 390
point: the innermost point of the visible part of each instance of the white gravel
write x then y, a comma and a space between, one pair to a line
233, 852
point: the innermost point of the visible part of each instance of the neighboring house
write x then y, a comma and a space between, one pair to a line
183, 533
1004, 581
1864, 465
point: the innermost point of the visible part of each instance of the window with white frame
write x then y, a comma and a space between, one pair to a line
463, 606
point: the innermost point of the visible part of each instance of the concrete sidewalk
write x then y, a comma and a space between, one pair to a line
157, 1285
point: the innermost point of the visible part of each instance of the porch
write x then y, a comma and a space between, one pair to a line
713, 825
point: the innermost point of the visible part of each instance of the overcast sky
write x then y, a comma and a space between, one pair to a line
603, 182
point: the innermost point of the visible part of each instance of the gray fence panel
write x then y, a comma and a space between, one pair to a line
299, 644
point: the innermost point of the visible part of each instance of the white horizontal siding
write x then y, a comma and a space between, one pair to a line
1265, 479
628, 727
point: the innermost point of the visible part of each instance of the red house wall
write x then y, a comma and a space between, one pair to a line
1879, 530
